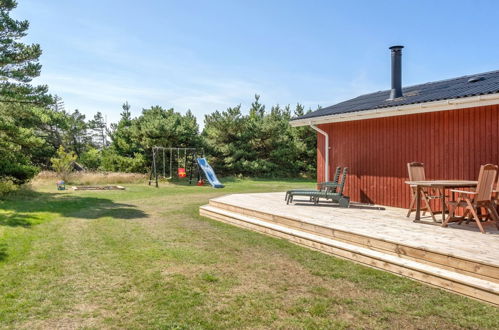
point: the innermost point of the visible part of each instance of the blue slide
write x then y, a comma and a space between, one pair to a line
209, 173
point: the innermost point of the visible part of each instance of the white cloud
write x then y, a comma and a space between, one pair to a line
113, 71
93, 92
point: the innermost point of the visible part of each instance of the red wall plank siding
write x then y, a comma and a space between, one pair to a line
451, 144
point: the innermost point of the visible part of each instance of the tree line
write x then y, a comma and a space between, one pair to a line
35, 127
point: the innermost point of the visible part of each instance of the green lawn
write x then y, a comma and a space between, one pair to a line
144, 258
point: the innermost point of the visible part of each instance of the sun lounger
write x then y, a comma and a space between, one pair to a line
328, 185
315, 195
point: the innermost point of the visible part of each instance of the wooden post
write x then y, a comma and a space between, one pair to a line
164, 170
154, 166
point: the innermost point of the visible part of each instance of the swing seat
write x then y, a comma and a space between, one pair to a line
181, 172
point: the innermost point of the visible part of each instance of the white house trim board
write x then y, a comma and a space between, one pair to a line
326, 151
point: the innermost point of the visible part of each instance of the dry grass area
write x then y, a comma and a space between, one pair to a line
144, 258
92, 178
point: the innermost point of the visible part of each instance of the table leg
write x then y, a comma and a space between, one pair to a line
444, 207
418, 203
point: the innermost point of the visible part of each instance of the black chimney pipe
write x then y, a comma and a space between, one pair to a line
396, 72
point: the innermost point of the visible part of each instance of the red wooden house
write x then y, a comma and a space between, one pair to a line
452, 126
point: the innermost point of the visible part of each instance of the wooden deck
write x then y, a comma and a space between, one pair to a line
458, 258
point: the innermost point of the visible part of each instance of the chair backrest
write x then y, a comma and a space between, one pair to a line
486, 181
343, 180
416, 171
337, 174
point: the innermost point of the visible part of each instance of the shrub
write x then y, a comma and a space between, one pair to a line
91, 159
7, 186
115, 163
63, 163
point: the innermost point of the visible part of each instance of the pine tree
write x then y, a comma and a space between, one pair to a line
257, 109
76, 137
121, 134
18, 61
56, 124
17, 144
99, 131
21, 143
126, 116
305, 141
260, 143
58, 104
159, 127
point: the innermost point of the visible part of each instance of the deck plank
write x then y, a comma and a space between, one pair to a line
379, 222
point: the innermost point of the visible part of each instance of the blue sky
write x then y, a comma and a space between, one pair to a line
209, 55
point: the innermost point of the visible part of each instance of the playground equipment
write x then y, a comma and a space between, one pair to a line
170, 163
209, 173
61, 185
182, 162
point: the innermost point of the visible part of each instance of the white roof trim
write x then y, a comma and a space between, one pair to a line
409, 109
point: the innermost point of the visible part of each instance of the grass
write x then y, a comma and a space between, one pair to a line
144, 258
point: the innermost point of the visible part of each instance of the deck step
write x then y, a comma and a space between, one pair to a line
449, 261
474, 287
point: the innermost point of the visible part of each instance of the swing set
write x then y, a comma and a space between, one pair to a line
182, 161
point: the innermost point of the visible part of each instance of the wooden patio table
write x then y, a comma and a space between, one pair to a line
442, 185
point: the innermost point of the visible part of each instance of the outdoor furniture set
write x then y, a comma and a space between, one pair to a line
479, 204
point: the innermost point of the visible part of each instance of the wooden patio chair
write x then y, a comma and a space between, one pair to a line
417, 173
327, 185
495, 197
472, 201
495, 194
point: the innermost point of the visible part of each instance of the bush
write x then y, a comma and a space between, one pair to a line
7, 186
115, 163
63, 163
91, 159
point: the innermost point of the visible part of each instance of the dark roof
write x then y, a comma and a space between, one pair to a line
477, 84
